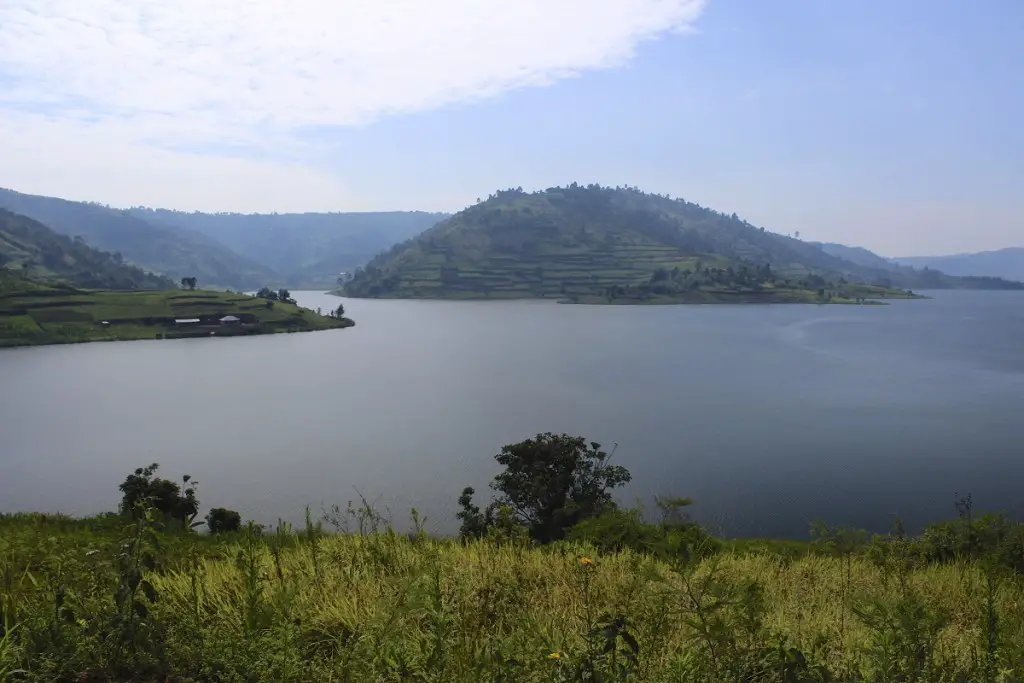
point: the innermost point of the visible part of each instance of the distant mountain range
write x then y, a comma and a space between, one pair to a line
1004, 263
29, 249
304, 249
1007, 264
626, 233
241, 251
621, 244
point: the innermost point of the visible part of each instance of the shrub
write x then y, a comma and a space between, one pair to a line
620, 529
222, 520
165, 496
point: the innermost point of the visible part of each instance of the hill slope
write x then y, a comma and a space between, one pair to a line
305, 248
586, 243
33, 312
31, 249
170, 251
1004, 263
857, 256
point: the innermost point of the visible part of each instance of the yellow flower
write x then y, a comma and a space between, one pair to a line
555, 655
586, 560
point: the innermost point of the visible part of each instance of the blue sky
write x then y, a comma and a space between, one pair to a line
889, 124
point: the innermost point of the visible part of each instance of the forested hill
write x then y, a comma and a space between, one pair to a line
174, 252
29, 249
582, 242
305, 249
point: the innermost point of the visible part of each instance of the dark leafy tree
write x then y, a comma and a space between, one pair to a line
267, 293
284, 295
553, 481
473, 522
222, 520
165, 496
189, 282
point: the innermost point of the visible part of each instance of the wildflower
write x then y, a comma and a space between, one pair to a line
555, 655
586, 560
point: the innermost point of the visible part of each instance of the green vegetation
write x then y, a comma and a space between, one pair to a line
170, 251
34, 312
561, 586
602, 245
30, 249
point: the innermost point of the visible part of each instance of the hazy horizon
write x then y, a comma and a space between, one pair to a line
887, 126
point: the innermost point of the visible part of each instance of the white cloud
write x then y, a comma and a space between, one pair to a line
199, 70
111, 99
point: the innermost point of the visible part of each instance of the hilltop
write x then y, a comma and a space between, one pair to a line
620, 245
31, 249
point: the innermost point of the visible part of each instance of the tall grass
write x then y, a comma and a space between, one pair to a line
378, 606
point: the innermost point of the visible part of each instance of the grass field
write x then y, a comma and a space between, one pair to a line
35, 313
380, 606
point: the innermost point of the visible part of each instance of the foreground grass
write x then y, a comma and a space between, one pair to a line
44, 314
308, 606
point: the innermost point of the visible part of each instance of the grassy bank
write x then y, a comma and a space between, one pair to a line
110, 599
35, 313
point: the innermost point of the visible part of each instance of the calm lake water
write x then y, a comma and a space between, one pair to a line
768, 416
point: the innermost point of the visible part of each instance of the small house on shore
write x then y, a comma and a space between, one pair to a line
230, 320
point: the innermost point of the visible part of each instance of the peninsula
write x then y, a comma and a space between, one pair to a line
55, 289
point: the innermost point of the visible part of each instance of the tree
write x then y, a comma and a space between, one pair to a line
340, 311
553, 481
222, 520
189, 282
267, 293
284, 295
163, 495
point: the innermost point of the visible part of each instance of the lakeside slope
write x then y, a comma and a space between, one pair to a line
35, 313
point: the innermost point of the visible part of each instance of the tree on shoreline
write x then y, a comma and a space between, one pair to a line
550, 483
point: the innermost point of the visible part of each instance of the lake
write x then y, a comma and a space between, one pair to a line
768, 416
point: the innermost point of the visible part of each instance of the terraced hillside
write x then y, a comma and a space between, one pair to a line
615, 245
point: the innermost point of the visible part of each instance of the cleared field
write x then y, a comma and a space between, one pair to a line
40, 314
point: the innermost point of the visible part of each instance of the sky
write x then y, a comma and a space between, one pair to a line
889, 124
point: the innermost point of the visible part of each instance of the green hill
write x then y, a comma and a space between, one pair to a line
33, 250
34, 312
306, 249
857, 255
171, 251
619, 245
